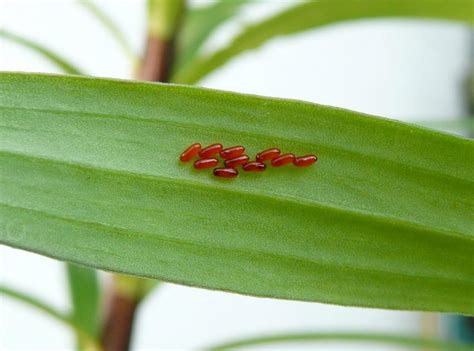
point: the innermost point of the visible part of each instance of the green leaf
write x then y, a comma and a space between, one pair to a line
199, 23
112, 27
314, 14
90, 174
82, 281
85, 296
46, 53
364, 338
90, 343
463, 124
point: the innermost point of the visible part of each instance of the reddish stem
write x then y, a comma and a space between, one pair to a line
118, 326
119, 319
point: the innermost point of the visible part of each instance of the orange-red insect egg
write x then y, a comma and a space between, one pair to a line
236, 161
283, 160
210, 150
254, 167
304, 161
268, 154
232, 152
190, 152
205, 163
226, 172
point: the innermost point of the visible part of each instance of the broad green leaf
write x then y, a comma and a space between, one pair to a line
198, 24
90, 174
82, 281
407, 342
46, 53
85, 297
314, 14
112, 27
89, 344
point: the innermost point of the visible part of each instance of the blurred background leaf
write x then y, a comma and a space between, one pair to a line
353, 338
85, 300
314, 14
88, 341
198, 25
112, 27
53, 57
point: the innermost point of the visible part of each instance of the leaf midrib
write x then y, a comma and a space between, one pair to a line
394, 221
270, 137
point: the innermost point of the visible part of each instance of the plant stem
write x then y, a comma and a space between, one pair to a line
157, 61
126, 294
156, 66
163, 22
118, 326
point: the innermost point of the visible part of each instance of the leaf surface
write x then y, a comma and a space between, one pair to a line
90, 174
82, 281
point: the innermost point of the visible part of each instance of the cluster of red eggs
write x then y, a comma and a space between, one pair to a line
234, 157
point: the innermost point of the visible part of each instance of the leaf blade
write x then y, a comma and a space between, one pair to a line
90, 342
296, 234
85, 297
310, 15
48, 54
199, 24
82, 281
112, 27
384, 339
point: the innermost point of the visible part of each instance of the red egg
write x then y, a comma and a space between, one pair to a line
254, 167
225, 172
190, 152
232, 152
304, 161
210, 150
268, 154
283, 160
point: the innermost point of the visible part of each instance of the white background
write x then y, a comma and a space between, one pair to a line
409, 70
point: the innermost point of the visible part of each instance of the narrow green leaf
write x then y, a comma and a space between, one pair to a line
51, 56
314, 14
464, 124
364, 338
85, 295
112, 27
198, 24
90, 174
90, 342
